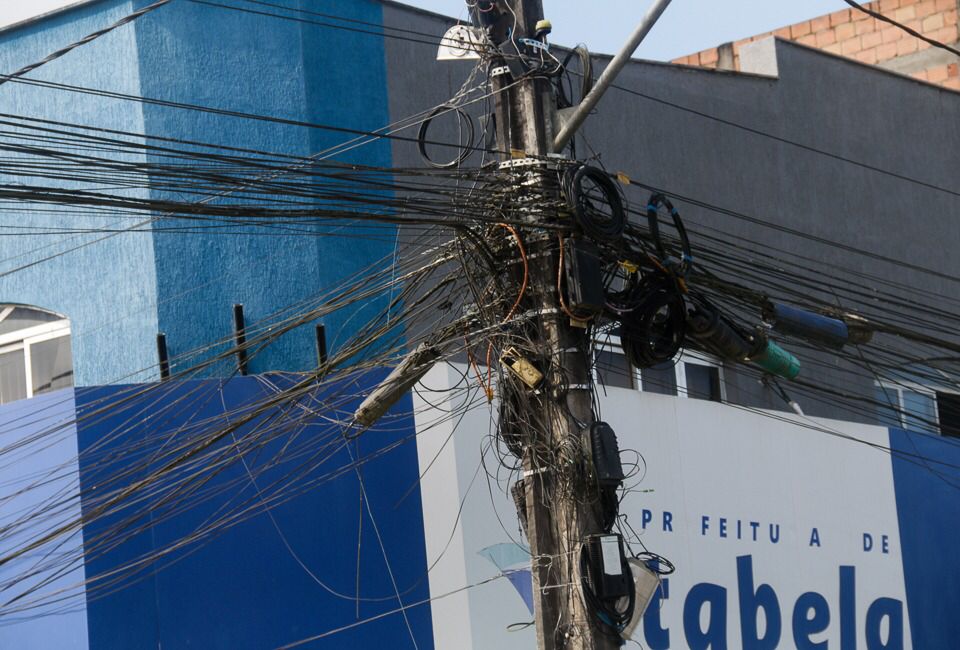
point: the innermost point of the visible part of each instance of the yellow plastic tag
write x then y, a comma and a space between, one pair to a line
522, 368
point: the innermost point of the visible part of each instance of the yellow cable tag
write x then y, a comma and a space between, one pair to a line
629, 267
623, 178
517, 154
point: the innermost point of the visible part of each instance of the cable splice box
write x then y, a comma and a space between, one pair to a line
608, 572
583, 277
606, 455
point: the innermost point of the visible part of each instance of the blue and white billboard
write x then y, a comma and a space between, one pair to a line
786, 532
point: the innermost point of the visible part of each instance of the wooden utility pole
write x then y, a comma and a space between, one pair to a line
561, 503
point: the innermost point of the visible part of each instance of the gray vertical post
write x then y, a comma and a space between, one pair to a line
163, 356
321, 346
240, 338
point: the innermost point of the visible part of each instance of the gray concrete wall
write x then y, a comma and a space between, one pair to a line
818, 102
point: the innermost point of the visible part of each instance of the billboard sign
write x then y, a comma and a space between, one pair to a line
786, 532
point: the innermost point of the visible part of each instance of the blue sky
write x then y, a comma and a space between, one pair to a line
687, 25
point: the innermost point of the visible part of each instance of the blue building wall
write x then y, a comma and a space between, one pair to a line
926, 473
265, 66
346, 85
106, 285
120, 292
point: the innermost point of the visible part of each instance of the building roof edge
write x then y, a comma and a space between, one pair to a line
26, 22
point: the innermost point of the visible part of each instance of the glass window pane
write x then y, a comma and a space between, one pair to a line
919, 411
888, 405
703, 382
948, 407
661, 379
13, 376
22, 317
613, 369
51, 365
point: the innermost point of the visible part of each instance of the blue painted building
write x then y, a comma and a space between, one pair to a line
120, 291
243, 585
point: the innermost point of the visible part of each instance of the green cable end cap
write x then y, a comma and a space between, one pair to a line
778, 361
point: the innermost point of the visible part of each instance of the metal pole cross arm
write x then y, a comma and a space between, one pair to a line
609, 74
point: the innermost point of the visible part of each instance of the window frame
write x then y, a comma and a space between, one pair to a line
610, 343
898, 386
700, 359
25, 339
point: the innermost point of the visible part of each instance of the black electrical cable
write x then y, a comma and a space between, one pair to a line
565, 100
787, 141
462, 118
83, 41
226, 112
912, 32
656, 200
596, 203
654, 330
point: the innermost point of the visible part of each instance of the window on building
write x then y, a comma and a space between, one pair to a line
691, 374
703, 381
948, 412
661, 378
918, 408
611, 367
35, 354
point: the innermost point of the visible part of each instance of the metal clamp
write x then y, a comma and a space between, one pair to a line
522, 162
535, 44
527, 473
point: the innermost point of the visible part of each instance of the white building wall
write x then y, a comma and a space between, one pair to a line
714, 473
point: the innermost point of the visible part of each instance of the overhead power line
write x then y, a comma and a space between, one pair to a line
788, 141
912, 32
83, 41
693, 111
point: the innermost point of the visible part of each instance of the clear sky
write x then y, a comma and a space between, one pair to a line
687, 25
